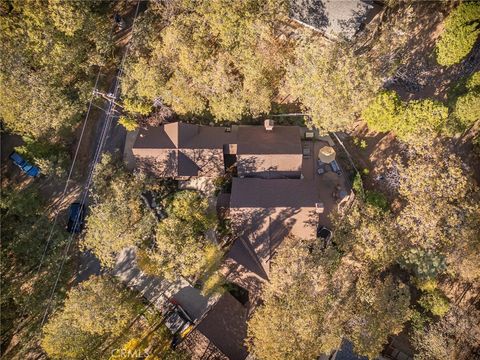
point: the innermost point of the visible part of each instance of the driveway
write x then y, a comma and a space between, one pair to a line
158, 291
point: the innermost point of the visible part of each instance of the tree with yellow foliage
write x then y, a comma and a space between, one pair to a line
181, 247
95, 309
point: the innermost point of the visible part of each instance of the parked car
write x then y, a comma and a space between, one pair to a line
76, 218
325, 235
24, 165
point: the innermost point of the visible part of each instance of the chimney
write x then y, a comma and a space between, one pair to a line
268, 124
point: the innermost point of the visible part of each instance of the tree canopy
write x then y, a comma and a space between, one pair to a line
460, 34
182, 247
334, 92
118, 218
315, 299
39, 40
95, 308
438, 184
220, 57
410, 121
466, 108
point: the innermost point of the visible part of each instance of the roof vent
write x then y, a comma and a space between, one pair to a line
268, 124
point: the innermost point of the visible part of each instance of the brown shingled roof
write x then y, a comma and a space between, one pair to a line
257, 140
265, 211
198, 150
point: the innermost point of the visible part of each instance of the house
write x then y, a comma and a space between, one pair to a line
334, 18
275, 193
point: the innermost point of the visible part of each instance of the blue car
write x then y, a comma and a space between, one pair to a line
24, 165
76, 218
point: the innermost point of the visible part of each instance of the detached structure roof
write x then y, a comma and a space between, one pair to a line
334, 18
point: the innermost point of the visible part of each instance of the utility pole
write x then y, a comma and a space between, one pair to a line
109, 97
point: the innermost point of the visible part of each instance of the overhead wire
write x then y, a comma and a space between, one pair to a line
98, 152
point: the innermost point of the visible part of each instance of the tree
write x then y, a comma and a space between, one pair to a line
408, 120
50, 157
48, 48
315, 299
118, 218
182, 247
460, 33
25, 229
369, 235
291, 324
437, 184
95, 308
334, 92
219, 57
130, 124
454, 337
435, 302
152, 345
467, 109
383, 112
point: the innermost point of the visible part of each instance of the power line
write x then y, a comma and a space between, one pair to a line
98, 152
62, 197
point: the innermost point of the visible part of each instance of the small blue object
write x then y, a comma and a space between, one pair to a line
24, 165
336, 167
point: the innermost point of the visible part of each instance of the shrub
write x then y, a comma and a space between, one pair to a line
213, 284
435, 302
467, 109
460, 34
376, 199
383, 112
357, 186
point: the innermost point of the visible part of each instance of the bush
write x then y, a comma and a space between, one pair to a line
357, 186
467, 109
383, 112
435, 302
376, 199
460, 34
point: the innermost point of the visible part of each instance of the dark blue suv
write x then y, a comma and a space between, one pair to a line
76, 218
